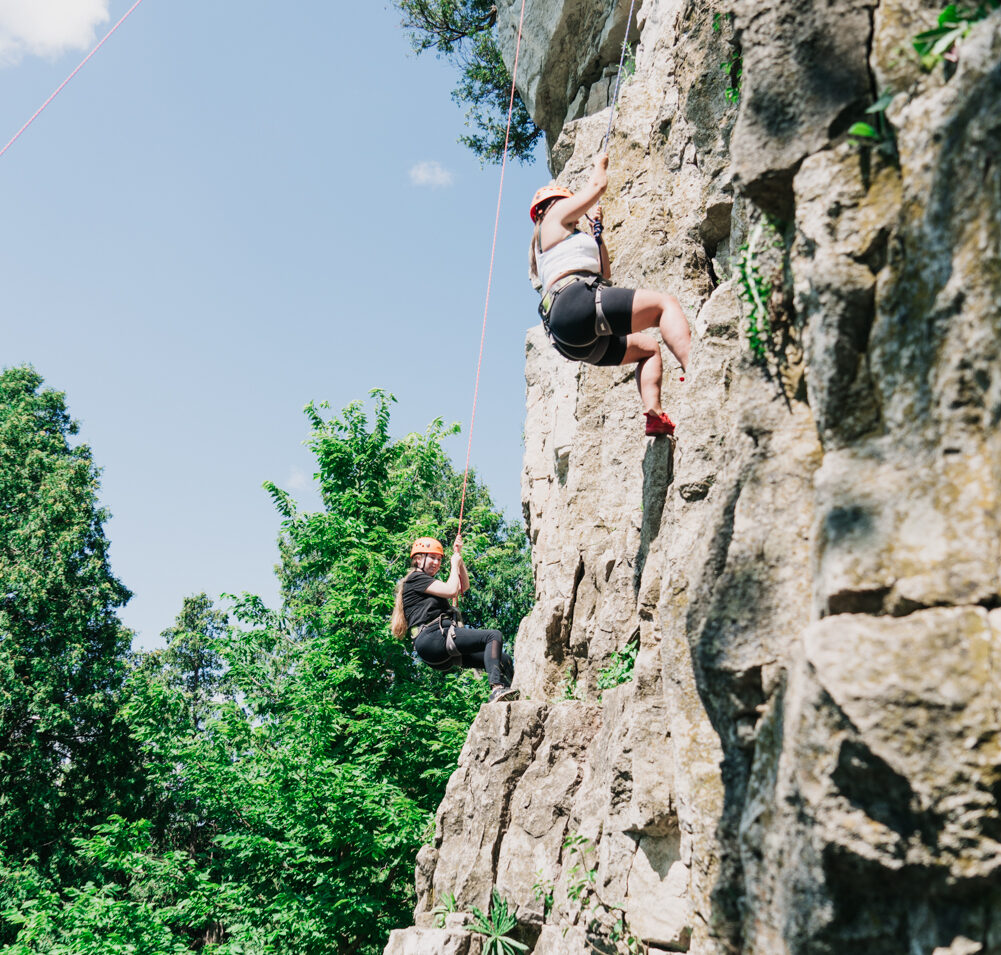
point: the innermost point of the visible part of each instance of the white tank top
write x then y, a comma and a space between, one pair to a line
578, 252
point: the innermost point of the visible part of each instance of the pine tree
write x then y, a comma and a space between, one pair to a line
62, 647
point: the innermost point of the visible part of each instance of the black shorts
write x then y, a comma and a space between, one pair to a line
571, 320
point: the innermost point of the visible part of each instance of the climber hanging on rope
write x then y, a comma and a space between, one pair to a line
586, 318
422, 607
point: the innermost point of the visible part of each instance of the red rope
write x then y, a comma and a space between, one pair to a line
59, 89
490, 274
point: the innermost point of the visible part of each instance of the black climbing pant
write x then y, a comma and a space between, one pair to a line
480, 649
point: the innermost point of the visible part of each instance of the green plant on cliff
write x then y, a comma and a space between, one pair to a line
756, 291
568, 689
629, 63
494, 925
582, 874
620, 669
954, 24
604, 920
464, 32
881, 135
447, 905
542, 890
733, 69
719, 19
733, 66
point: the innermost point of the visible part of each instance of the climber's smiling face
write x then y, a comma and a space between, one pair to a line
432, 564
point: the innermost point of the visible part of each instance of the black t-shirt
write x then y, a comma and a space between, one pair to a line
420, 607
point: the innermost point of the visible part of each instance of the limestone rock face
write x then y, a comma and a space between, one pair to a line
432, 941
569, 55
805, 756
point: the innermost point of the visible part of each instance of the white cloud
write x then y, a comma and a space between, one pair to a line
298, 480
430, 173
48, 28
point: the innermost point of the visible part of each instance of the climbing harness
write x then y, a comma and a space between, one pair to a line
490, 274
59, 88
618, 76
602, 330
454, 658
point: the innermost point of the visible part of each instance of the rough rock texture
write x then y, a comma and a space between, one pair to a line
807, 756
561, 78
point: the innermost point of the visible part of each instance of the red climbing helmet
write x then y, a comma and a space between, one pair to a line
427, 545
547, 192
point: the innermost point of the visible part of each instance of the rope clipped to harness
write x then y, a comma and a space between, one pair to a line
618, 76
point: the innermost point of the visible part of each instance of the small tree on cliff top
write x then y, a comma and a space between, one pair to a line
464, 32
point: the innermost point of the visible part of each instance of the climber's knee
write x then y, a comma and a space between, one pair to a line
638, 347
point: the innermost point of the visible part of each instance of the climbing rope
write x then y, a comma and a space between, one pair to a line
618, 75
490, 274
59, 88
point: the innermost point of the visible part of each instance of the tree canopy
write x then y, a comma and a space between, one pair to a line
464, 32
292, 758
62, 647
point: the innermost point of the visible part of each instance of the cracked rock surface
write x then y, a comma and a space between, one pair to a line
806, 756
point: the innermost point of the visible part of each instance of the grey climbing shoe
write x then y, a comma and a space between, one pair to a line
502, 693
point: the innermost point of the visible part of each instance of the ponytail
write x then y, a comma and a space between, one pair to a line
533, 259
398, 625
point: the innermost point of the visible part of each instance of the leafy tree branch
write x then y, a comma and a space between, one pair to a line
464, 32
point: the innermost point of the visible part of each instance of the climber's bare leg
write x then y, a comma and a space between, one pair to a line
658, 308
644, 350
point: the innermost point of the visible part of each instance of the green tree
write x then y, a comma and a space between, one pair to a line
298, 756
191, 660
62, 647
138, 900
186, 677
464, 32
316, 776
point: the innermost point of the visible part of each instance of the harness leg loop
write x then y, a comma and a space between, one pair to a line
601, 326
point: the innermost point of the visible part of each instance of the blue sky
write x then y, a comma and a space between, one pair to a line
234, 209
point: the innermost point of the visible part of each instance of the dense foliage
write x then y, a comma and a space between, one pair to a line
463, 31
293, 758
62, 648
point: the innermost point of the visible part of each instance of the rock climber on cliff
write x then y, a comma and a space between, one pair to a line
585, 317
422, 605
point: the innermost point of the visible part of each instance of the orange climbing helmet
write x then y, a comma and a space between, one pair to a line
547, 192
427, 545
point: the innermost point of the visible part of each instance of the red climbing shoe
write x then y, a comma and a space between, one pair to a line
659, 424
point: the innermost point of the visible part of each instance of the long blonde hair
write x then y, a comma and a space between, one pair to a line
533, 260
398, 625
